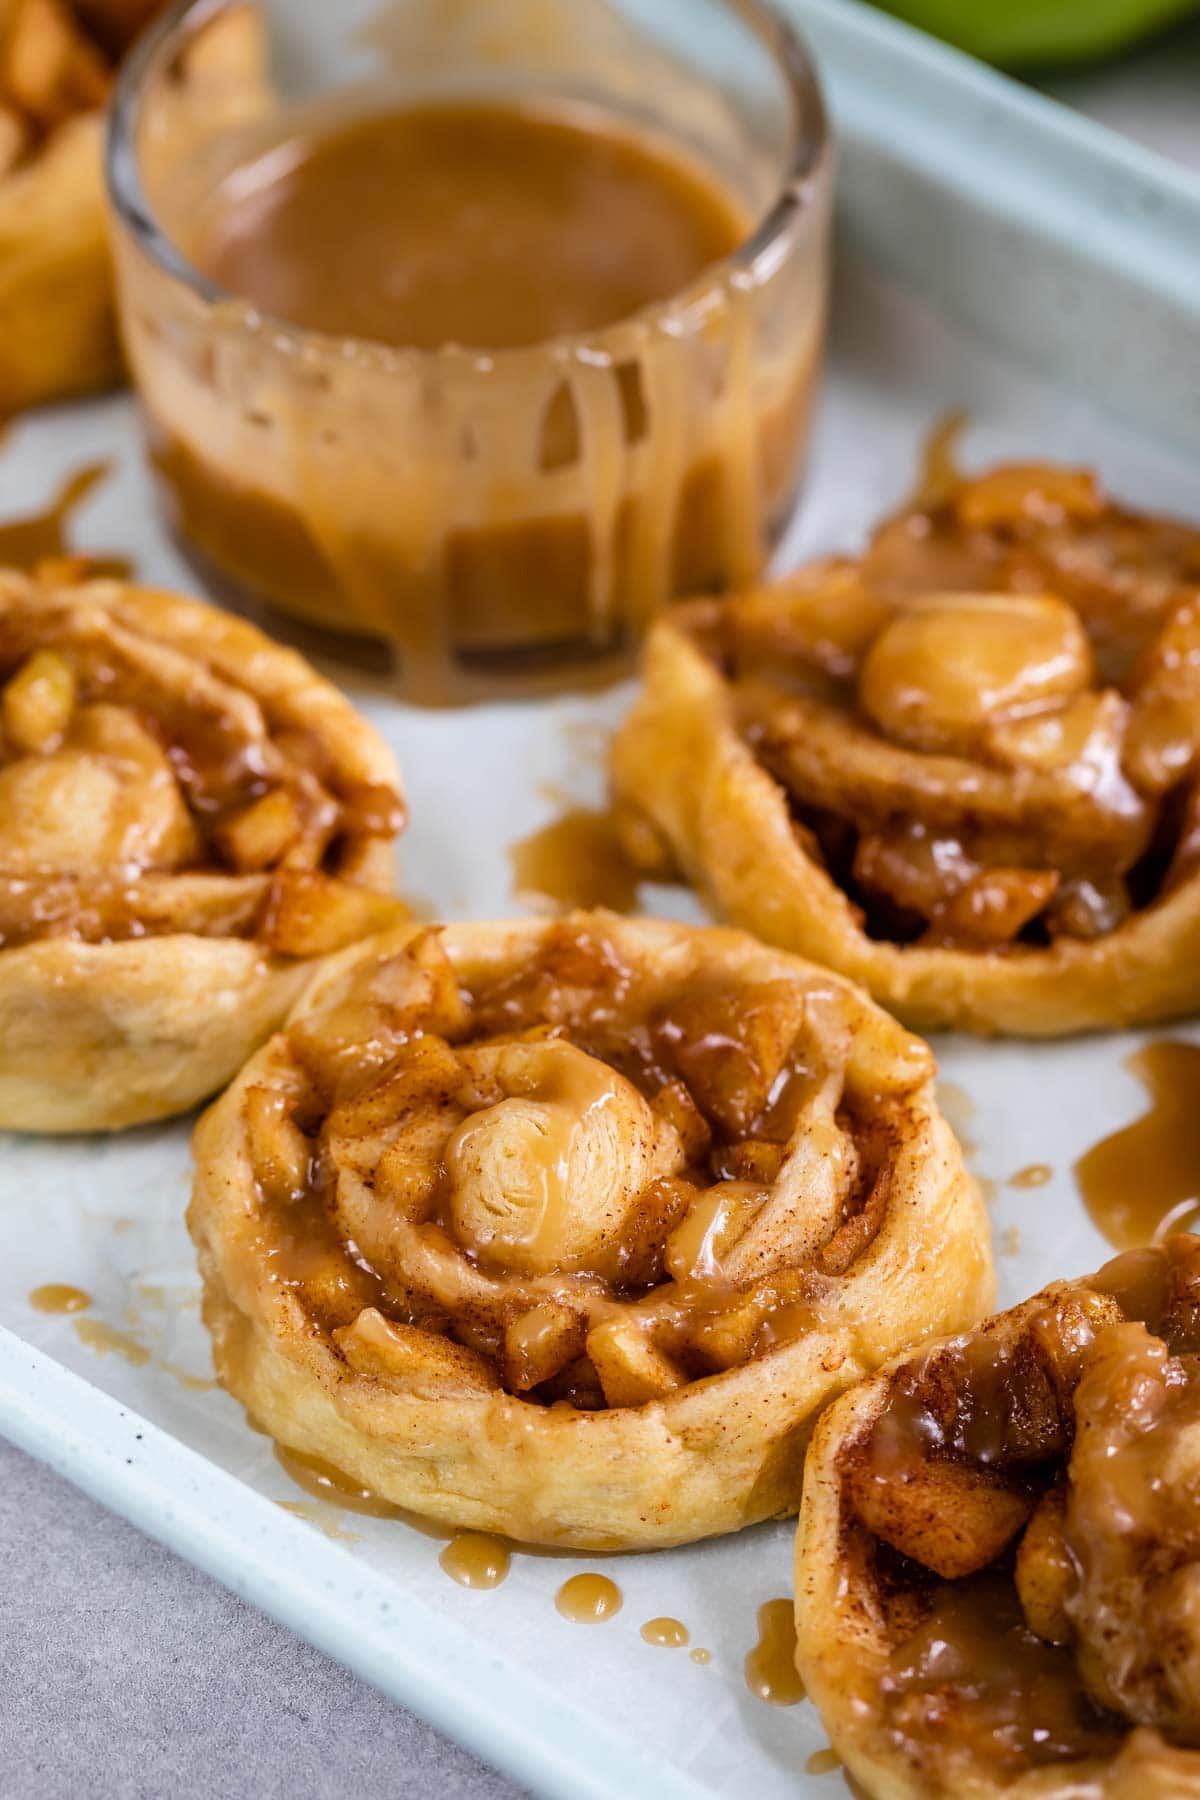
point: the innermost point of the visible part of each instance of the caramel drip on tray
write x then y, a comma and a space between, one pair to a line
1144, 1181
575, 861
770, 1668
475, 1559
667, 1634
44, 537
59, 1297
588, 1599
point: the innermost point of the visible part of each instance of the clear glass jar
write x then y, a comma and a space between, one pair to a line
489, 517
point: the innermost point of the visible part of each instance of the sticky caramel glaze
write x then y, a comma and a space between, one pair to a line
770, 1667
44, 537
970, 1436
560, 1105
974, 1652
546, 1186
1143, 1181
59, 1297
577, 860
486, 225
588, 1599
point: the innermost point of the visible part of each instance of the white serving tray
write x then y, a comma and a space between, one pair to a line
568, 1711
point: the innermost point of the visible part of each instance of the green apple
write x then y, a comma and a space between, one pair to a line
1024, 32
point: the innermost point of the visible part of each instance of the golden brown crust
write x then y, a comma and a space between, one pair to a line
716, 776
653, 1413
154, 927
1012, 1412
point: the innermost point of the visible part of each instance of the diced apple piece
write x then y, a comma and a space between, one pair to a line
313, 915
428, 1072
674, 1104
279, 1151
1045, 1573
540, 1342
953, 1517
1028, 494
730, 1048
419, 1361
38, 702
994, 907
258, 835
630, 1370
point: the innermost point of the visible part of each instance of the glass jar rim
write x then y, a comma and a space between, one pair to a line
751, 262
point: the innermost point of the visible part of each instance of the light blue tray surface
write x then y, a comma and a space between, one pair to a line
1071, 258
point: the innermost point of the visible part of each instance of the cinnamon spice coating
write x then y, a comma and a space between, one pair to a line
961, 769
566, 1230
189, 817
998, 1561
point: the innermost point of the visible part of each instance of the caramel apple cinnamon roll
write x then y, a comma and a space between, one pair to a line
998, 1560
567, 1229
189, 818
962, 769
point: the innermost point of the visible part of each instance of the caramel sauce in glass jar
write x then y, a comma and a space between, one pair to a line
485, 360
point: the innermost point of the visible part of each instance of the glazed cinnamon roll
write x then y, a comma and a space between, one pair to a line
567, 1229
961, 769
189, 817
998, 1561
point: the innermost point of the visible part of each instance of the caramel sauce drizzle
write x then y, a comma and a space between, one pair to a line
59, 1297
1036, 1175
589, 1599
1143, 1181
770, 1668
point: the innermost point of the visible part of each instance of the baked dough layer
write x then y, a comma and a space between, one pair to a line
189, 818
771, 761
998, 1551
559, 1321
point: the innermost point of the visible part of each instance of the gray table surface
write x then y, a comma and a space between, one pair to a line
127, 1675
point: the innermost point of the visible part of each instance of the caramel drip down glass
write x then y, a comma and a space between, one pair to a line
478, 520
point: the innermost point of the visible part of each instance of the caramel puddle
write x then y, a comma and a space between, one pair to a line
1144, 1181
770, 1668
45, 536
575, 860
